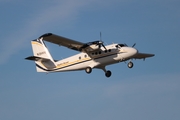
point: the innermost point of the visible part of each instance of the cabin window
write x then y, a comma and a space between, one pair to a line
109, 50
79, 57
105, 51
99, 52
96, 53
85, 56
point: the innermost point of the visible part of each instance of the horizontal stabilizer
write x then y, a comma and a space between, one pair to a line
35, 58
44, 61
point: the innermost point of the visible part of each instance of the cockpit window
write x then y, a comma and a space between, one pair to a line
122, 45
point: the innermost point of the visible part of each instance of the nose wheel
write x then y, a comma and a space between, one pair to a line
130, 64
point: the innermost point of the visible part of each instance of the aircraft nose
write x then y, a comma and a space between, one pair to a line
131, 51
134, 51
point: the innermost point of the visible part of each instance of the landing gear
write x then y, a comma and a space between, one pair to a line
108, 73
88, 70
130, 64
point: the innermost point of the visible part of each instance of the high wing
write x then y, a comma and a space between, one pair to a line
62, 41
142, 55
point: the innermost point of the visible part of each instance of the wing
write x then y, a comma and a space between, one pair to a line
69, 43
143, 55
72, 44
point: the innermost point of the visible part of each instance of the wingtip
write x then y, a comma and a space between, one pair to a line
45, 35
151, 55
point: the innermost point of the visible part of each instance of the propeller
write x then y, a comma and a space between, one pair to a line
125, 44
104, 47
101, 43
134, 44
98, 43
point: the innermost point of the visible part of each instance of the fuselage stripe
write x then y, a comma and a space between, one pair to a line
76, 63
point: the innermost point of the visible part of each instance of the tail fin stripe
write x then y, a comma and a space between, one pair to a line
42, 68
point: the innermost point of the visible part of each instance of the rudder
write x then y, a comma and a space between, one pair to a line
42, 57
40, 49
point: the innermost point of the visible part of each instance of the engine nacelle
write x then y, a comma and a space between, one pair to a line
92, 47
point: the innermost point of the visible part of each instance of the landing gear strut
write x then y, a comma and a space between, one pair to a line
107, 72
130, 64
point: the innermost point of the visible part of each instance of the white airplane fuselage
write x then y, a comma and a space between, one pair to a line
92, 55
95, 59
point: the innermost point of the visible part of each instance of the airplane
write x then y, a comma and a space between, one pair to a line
92, 55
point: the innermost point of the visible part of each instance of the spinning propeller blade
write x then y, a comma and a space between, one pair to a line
134, 44
101, 42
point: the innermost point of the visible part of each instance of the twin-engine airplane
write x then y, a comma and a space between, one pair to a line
92, 55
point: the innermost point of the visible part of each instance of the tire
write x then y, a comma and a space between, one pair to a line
88, 70
108, 73
130, 64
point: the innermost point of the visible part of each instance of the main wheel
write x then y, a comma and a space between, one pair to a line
130, 64
88, 70
108, 73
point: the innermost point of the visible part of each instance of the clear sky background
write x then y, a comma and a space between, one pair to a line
148, 91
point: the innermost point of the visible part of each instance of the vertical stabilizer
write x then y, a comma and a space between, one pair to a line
40, 49
42, 57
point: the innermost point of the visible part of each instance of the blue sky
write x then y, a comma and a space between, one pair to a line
148, 91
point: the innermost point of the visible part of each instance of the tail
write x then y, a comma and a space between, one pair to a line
42, 57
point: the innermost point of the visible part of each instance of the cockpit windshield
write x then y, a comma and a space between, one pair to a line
122, 45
